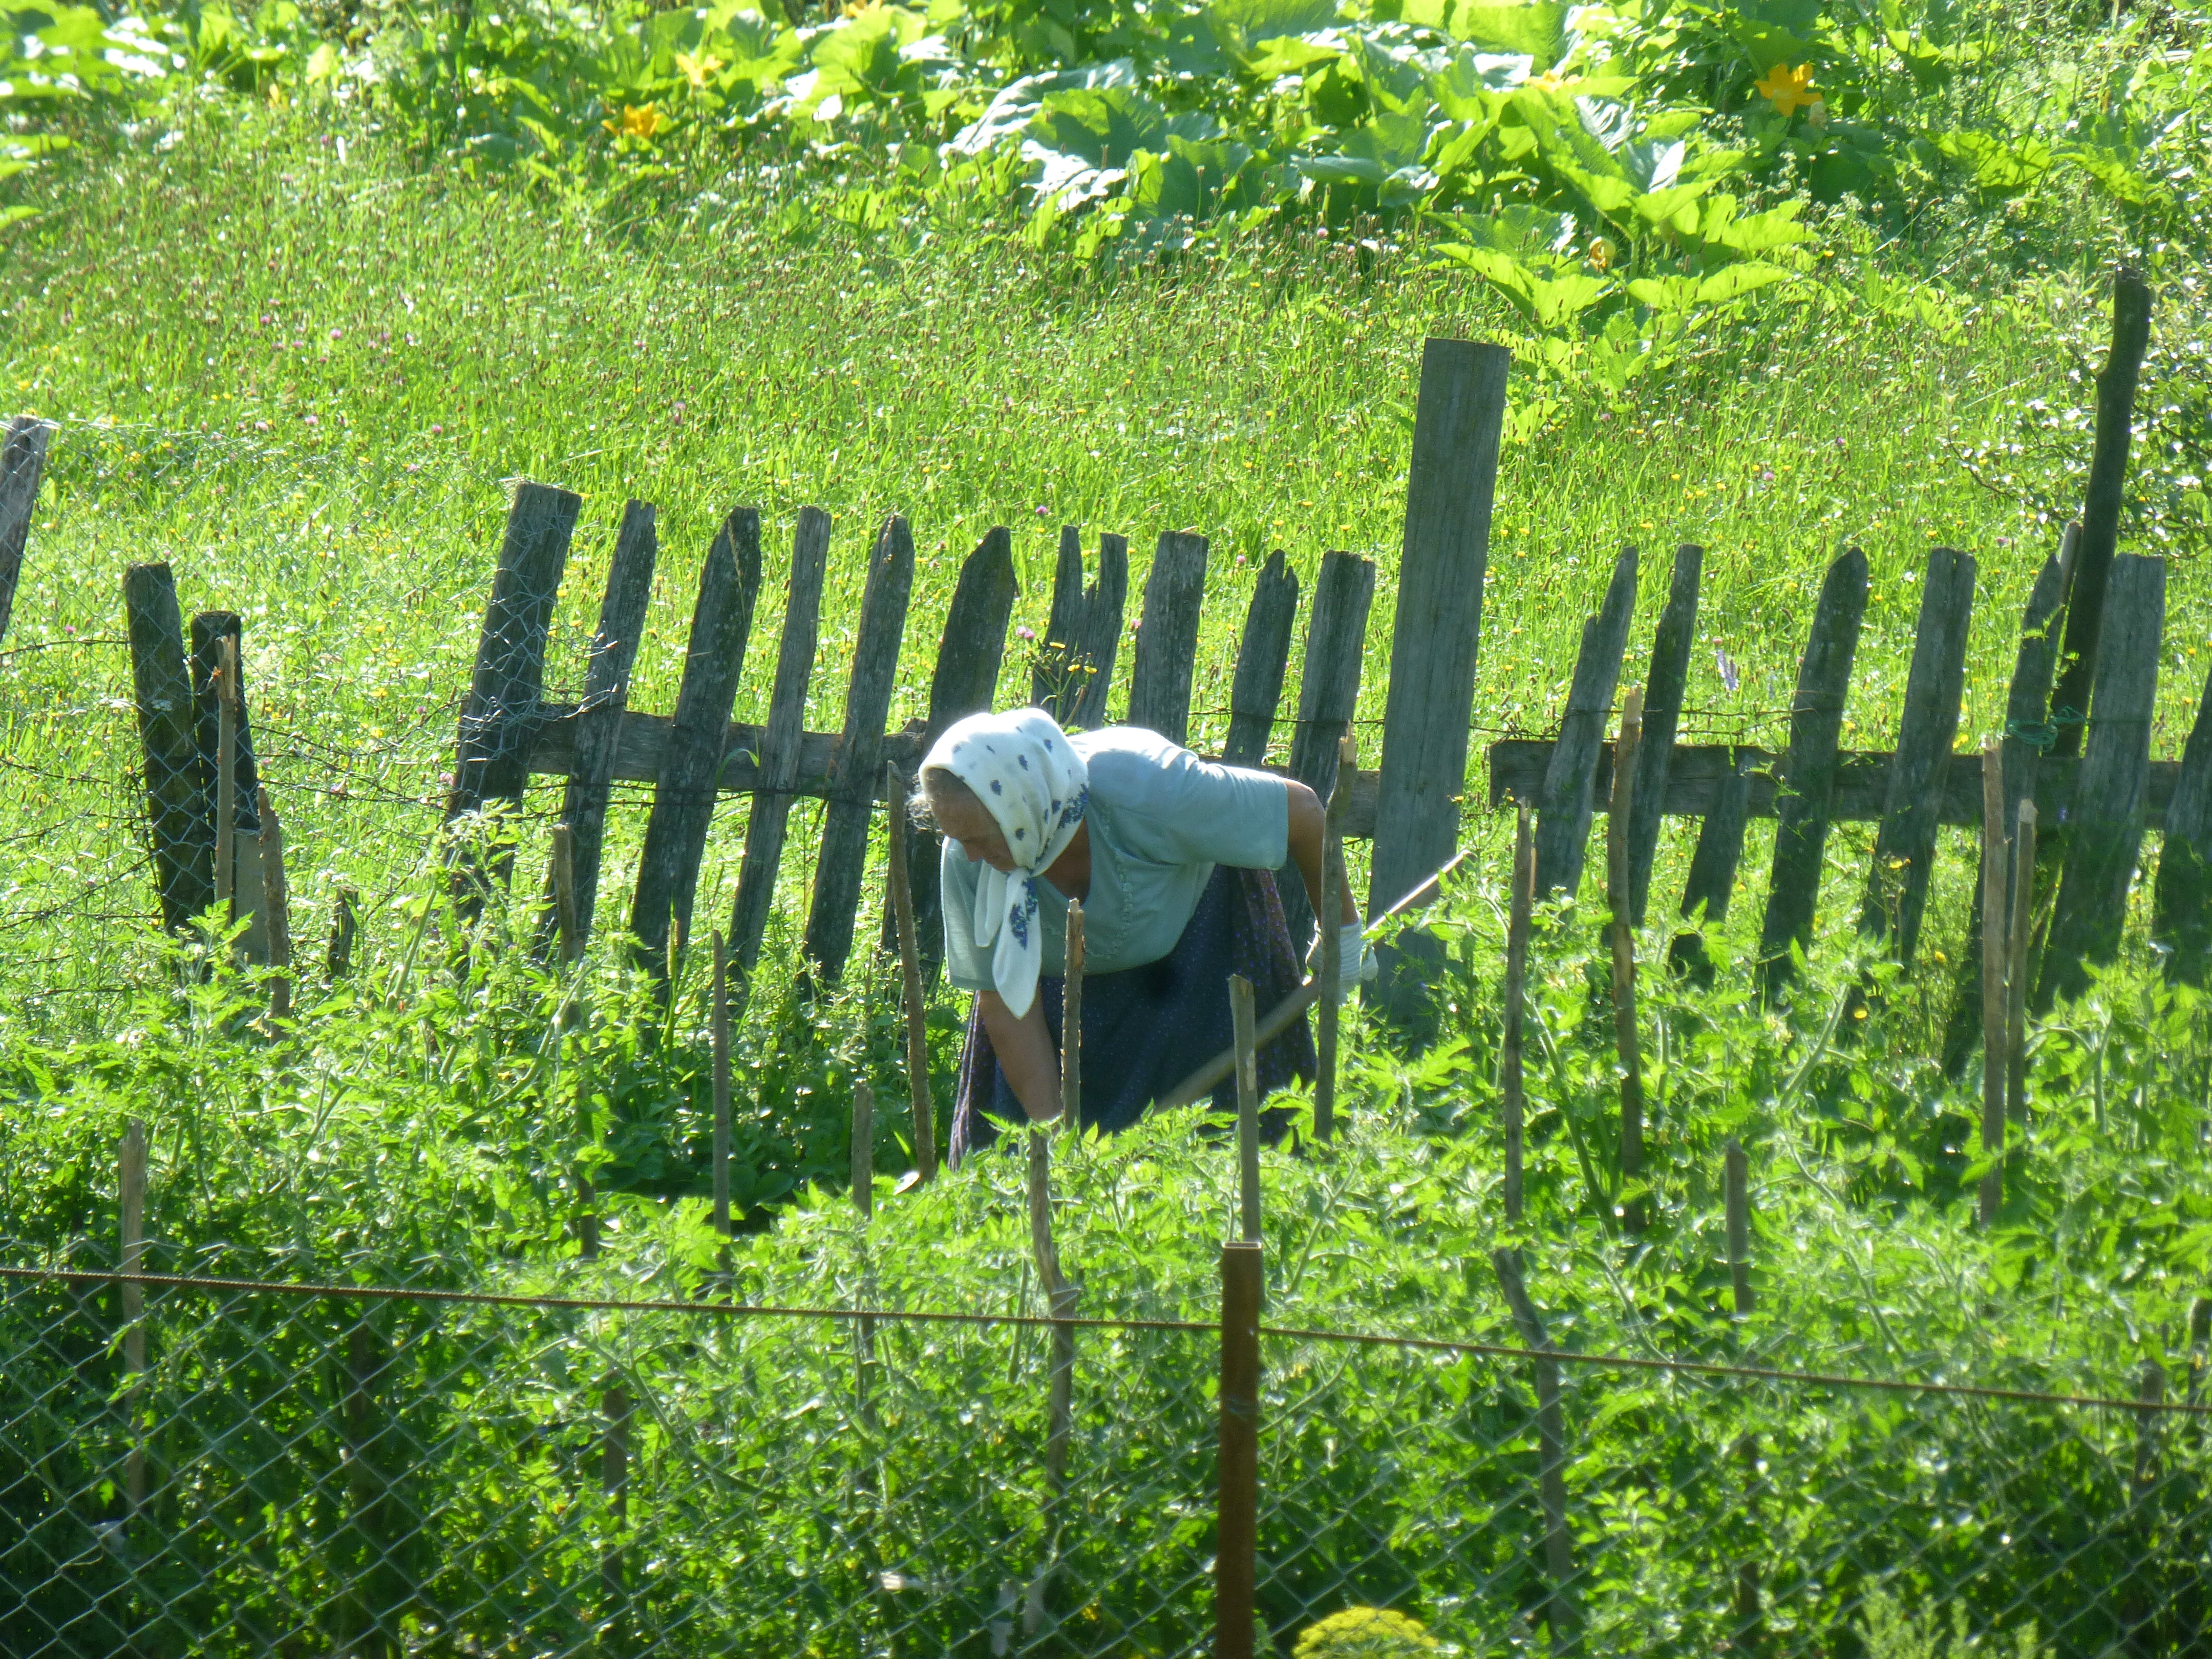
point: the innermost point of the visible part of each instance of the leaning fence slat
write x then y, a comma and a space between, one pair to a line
1328, 696
781, 742
1621, 934
1104, 604
718, 1014
2106, 831
492, 751
599, 717
963, 682
22, 463
1334, 886
176, 794
2182, 915
2100, 507
1996, 861
1262, 655
1713, 866
1550, 1449
842, 852
1816, 720
1904, 846
684, 798
1664, 690
276, 895
1167, 637
1565, 807
1053, 685
219, 695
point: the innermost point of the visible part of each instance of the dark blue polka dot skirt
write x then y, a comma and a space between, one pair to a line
1147, 1028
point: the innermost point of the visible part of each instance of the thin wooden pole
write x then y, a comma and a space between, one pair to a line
721, 1018
1333, 888
276, 908
1996, 981
1060, 1297
338, 963
1618, 863
1738, 1186
1070, 1021
226, 779
2023, 865
900, 880
567, 933
1237, 1536
864, 1148
133, 1195
1511, 1085
1248, 1107
614, 1480
1551, 1446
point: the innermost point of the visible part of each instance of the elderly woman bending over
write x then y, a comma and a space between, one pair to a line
1173, 858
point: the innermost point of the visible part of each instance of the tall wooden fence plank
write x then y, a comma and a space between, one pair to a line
1563, 808
1808, 778
683, 797
1328, 694
1167, 637
2182, 916
857, 778
1104, 603
1263, 656
176, 798
1662, 717
22, 463
963, 682
2100, 507
1074, 670
1713, 865
606, 697
210, 628
2104, 832
1904, 846
781, 747
1438, 625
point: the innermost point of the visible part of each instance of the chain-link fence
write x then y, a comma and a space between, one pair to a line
233, 1468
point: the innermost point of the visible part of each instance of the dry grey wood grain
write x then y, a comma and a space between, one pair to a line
856, 774
783, 739
1564, 804
22, 463
1167, 636
1328, 696
2105, 828
1805, 804
1263, 655
1904, 846
1104, 602
176, 796
684, 793
1664, 690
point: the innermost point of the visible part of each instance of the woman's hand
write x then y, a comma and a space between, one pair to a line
1027, 1058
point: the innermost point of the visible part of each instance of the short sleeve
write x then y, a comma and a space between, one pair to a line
1174, 808
966, 965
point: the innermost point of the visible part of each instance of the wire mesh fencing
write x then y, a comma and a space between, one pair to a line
218, 1468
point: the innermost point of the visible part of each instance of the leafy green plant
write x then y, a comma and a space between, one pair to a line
1365, 1633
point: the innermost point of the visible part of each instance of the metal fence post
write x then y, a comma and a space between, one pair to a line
1236, 1563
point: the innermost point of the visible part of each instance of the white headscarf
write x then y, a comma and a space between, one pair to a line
1021, 766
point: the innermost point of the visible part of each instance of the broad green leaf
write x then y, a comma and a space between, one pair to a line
1538, 29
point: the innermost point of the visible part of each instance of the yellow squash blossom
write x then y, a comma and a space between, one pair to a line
696, 70
639, 121
1787, 88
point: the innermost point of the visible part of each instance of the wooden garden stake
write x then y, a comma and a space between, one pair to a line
1517, 980
1995, 981
1623, 932
226, 780
1738, 1185
2023, 896
1328, 1009
1236, 1559
1060, 1297
133, 1183
1248, 1109
1070, 1021
864, 1148
1551, 1447
614, 1480
568, 934
277, 906
721, 1016
917, 1007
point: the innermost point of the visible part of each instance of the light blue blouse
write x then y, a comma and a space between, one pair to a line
1160, 819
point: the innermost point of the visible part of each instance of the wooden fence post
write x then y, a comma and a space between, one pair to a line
1996, 974
691, 765
1248, 1107
1263, 654
964, 682
560, 873
1328, 696
2182, 918
1437, 629
1551, 1452
781, 740
226, 781
1237, 1524
1664, 690
912, 995
219, 695
584, 797
1167, 637
133, 1195
718, 1020
1334, 886
857, 773
2016, 962
1808, 780
1511, 1085
2105, 832
1934, 683
22, 463
1713, 866
1071, 677
2100, 507
1621, 931
276, 904
1564, 809
176, 796
491, 758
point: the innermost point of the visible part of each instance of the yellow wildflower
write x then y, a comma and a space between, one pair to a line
1788, 89
638, 121
1601, 253
696, 70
